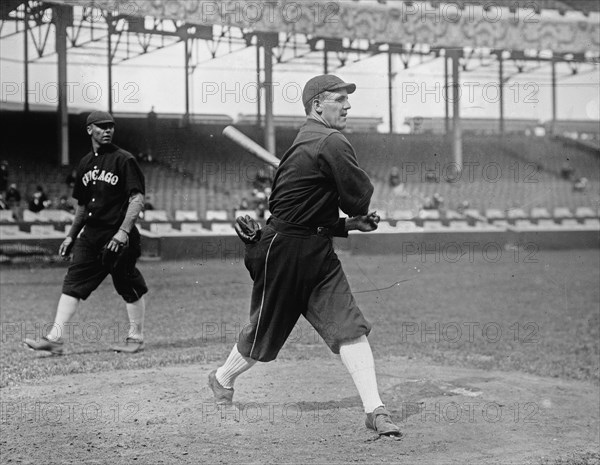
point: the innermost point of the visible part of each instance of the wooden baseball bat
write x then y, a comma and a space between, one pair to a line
248, 144
245, 142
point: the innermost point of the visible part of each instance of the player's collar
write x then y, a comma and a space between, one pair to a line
106, 148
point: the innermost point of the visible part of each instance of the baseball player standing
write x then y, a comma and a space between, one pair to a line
292, 262
109, 188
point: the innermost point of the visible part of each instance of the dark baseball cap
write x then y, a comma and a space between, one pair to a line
99, 117
322, 83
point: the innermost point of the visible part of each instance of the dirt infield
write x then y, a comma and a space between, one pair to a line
162, 416
482, 362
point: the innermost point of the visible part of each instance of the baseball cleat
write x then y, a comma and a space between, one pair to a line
46, 345
130, 346
222, 394
380, 421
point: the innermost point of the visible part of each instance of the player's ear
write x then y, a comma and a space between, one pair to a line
89, 129
317, 105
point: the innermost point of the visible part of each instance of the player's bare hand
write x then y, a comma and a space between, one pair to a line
65, 247
117, 241
364, 223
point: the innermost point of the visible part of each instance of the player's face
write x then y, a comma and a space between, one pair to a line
335, 106
102, 133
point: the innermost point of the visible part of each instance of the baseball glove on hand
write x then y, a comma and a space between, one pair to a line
248, 229
111, 259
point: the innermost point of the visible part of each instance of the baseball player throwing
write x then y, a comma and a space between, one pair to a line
292, 262
109, 189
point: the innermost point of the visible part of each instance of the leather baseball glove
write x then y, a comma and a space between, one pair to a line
248, 229
111, 259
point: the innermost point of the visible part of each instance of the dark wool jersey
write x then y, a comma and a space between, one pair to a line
317, 176
105, 181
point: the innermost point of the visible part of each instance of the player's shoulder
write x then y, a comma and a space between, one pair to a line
124, 154
335, 138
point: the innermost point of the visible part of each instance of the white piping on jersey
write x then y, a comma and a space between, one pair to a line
262, 300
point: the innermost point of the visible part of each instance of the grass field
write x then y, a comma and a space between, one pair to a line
532, 314
537, 314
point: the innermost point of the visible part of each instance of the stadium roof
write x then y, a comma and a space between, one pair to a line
391, 22
583, 6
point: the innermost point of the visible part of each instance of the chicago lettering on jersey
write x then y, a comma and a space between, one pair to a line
97, 175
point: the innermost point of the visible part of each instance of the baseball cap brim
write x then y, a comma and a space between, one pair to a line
349, 86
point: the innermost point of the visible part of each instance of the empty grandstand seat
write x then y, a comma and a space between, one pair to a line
429, 214
547, 223
58, 216
522, 223
435, 225
454, 215
30, 216
457, 224
592, 223
155, 215
6, 216
404, 226
251, 213
494, 213
562, 212
585, 212
161, 228
44, 230
570, 222
402, 215
193, 228
9, 231
217, 215
516, 213
224, 229
186, 215
540, 212
474, 213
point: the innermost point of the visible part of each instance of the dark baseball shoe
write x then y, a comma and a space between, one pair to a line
130, 346
380, 421
222, 394
46, 345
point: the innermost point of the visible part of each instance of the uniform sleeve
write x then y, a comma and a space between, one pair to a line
78, 189
353, 185
134, 178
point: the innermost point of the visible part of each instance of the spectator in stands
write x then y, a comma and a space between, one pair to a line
148, 203
580, 184
262, 179
39, 200
244, 205
464, 206
65, 205
567, 171
3, 204
434, 202
13, 196
3, 176
431, 176
13, 199
394, 178
71, 178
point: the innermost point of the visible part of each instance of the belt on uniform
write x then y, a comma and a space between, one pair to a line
285, 227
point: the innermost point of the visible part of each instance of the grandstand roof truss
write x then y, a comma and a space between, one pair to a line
126, 29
